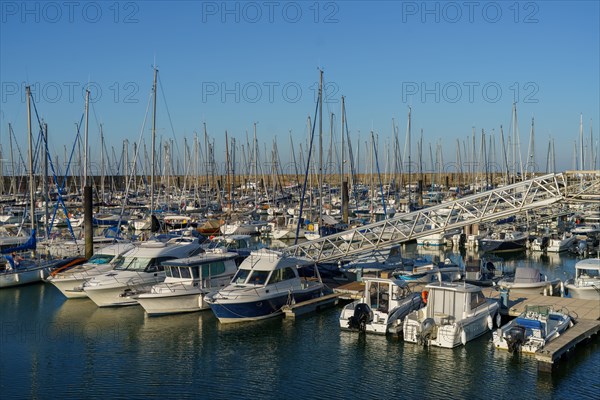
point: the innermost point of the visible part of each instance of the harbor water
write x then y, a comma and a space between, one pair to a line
51, 347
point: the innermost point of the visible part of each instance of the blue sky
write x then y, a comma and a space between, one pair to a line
230, 64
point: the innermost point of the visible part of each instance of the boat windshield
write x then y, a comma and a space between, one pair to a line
258, 277
132, 263
240, 276
588, 273
100, 259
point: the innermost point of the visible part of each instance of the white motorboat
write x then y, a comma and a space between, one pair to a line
554, 243
266, 281
70, 282
382, 308
586, 284
454, 314
532, 330
530, 280
138, 270
187, 281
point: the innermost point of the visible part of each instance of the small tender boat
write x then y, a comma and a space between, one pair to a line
455, 313
265, 282
586, 284
187, 281
382, 308
532, 330
530, 280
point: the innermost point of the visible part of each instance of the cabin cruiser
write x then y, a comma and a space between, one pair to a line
384, 304
586, 284
532, 330
137, 270
187, 281
265, 282
70, 282
530, 280
454, 314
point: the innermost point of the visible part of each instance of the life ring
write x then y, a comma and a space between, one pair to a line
424, 296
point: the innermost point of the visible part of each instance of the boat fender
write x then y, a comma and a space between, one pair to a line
424, 296
463, 337
490, 322
498, 320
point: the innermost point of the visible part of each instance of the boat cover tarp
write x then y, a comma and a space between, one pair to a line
527, 275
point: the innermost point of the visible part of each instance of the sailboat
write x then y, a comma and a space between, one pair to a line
14, 270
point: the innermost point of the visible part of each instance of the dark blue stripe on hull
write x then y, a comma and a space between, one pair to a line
257, 309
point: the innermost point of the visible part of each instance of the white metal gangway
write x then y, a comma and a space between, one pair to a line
492, 205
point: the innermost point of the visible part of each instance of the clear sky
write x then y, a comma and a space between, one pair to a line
458, 65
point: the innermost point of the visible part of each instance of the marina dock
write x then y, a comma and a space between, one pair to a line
585, 313
310, 306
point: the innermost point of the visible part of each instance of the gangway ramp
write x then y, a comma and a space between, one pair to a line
503, 202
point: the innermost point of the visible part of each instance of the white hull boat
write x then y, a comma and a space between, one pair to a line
382, 308
187, 281
455, 313
532, 330
586, 284
137, 271
70, 282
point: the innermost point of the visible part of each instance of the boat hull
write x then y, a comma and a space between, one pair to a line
24, 277
259, 308
163, 304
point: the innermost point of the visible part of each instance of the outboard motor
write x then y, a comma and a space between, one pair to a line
426, 331
362, 316
515, 337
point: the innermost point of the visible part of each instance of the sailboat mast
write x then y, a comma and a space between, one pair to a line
153, 161
30, 141
320, 179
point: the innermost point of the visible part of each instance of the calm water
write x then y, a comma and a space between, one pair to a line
54, 348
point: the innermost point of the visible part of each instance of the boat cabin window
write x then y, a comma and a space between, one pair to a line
258, 277
172, 272
196, 271
240, 276
154, 264
185, 273
214, 268
588, 273
282, 275
477, 299
379, 296
100, 259
445, 302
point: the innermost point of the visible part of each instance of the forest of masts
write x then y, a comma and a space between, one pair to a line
331, 155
